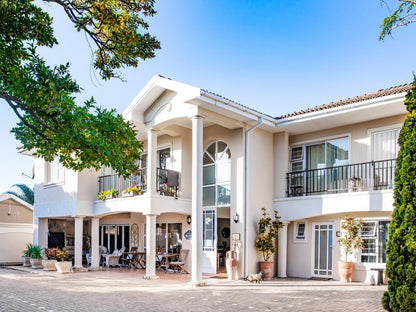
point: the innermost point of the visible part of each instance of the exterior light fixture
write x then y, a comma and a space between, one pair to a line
236, 217
188, 219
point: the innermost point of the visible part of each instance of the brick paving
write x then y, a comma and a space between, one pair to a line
116, 289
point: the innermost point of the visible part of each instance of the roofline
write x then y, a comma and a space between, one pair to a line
4, 197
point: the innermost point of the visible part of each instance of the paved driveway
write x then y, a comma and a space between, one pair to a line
125, 290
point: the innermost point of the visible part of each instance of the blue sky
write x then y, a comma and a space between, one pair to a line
274, 56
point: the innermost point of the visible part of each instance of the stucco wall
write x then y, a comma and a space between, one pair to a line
13, 239
19, 213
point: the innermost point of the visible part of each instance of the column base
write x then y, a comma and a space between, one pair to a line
282, 276
95, 268
77, 269
151, 277
197, 284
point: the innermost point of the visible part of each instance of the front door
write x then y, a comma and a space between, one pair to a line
209, 253
322, 265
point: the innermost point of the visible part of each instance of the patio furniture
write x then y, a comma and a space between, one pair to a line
179, 266
163, 261
135, 259
102, 250
114, 258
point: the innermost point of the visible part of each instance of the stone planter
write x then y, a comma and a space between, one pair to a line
63, 266
266, 267
49, 265
26, 261
36, 263
129, 194
345, 269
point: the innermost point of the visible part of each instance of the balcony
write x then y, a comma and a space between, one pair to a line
374, 175
167, 182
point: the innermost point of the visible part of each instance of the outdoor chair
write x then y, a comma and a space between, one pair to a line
179, 266
88, 256
114, 258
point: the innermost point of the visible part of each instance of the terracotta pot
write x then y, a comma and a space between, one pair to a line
345, 269
49, 265
26, 261
63, 266
266, 267
36, 263
231, 264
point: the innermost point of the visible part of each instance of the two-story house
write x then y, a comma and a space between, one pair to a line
209, 166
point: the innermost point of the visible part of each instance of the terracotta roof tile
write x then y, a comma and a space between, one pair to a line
373, 95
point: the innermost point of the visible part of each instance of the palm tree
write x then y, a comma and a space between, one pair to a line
23, 192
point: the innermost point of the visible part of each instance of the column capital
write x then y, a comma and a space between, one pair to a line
197, 116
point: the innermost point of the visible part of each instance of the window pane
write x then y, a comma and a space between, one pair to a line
164, 158
385, 145
224, 172
296, 153
161, 237
208, 196
211, 150
300, 234
383, 236
224, 194
208, 229
337, 152
220, 148
315, 156
174, 237
209, 175
368, 228
207, 159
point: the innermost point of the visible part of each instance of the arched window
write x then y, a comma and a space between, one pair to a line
217, 175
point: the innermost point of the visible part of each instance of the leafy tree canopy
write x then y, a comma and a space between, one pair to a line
402, 16
43, 97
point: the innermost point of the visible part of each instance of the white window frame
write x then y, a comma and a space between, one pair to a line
372, 131
296, 237
376, 238
54, 172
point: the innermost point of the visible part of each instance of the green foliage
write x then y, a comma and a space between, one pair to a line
350, 239
267, 233
133, 188
50, 253
23, 192
402, 16
43, 97
401, 247
26, 252
35, 251
104, 194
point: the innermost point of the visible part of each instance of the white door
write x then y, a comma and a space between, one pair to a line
322, 264
209, 251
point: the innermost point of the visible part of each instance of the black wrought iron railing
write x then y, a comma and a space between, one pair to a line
167, 182
374, 175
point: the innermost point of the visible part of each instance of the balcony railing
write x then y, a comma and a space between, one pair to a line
374, 175
167, 182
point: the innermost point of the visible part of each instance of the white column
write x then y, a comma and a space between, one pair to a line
197, 153
95, 242
282, 251
151, 161
150, 247
43, 233
79, 222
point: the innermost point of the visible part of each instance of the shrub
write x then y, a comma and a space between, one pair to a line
350, 239
267, 233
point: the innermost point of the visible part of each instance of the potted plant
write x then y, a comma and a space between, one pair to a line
26, 255
350, 242
61, 265
267, 233
35, 257
49, 263
131, 191
165, 190
112, 193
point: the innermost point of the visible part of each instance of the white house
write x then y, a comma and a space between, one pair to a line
210, 165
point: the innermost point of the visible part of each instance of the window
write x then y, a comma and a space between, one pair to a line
54, 172
169, 237
216, 189
375, 235
385, 145
209, 230
300, 231
164, 158
114, 236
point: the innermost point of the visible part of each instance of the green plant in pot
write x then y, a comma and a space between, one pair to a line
268, 231
26, 255
35, 252
107, 194
350, 242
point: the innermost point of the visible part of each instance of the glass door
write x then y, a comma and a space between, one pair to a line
209, 252
322, 249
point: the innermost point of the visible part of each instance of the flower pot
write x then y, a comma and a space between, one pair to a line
49, 265
26, 261
266, 267
63, 266
36, 263
231, 265
345, 269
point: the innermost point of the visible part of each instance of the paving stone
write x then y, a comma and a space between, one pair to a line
124, 289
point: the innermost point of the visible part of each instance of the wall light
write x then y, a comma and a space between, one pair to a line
188, 219
236, 217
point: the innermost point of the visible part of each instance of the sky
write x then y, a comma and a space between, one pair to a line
273, 56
